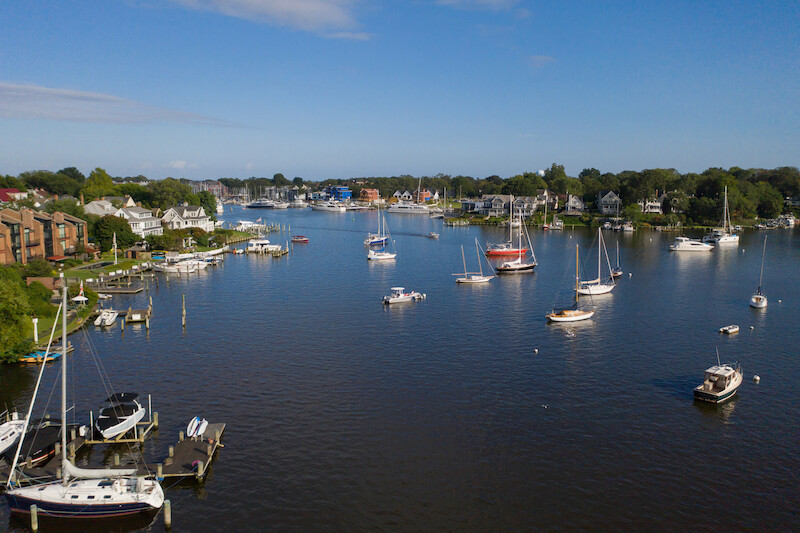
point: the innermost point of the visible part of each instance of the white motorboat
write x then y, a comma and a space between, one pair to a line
106, 318
83, 493
260, 246
298, 204
720, 384
473, 277
261, 203
685, 244
723, 234
758, 300
329, 205
172, 267
10, 431
280, 205
599, 285
399, 295
120, 414
573, 313
409, 208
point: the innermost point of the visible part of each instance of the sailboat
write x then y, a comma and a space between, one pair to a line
382, 254
598, 285
723, 234
617, 270
10, 431
506, 248
573, 313
84, 493
473, 277
374, 239
758, 300
521, 263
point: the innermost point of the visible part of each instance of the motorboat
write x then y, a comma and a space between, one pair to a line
119, 414
10, 431
175, 267
685, 244
399, 295
106, 318
261, 203
409, 208
260, 246
573, 313
280, 205
729, 330
329, 205
302, 239
38, 443
720, 384
298, 204
433, 235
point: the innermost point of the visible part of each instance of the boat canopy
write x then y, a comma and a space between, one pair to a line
723, 370
122, 397
398, 289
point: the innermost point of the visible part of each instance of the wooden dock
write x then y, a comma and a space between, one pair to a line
190, 458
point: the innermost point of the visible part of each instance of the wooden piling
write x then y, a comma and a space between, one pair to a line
116, 459
167, 514
200, 469
172, 451
183, 311
160, 471
180, 436
34, 518
155, 419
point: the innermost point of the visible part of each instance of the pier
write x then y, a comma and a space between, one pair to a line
190, 458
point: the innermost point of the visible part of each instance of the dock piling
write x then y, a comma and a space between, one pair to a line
209, 450
167, 514
172, 451
200, 469
183, 312
116, 459
155, 419
180, 436
160, 471
34, 518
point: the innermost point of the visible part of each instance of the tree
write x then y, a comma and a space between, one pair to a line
279, 180
69, 207
73, 174
589, 173
520, 185
105, 229
769, 200
168, 193
298, 181
38, 268
99, 184
14, 312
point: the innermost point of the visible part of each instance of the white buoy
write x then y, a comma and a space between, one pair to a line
630, 274
780, 301
536, 350
756, 378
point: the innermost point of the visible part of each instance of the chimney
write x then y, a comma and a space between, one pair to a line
55, 197
81, 198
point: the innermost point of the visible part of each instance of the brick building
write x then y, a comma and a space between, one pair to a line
27, 234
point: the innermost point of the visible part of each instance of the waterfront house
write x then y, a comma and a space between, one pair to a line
370, 195
141, 220
651, 206
121, 201
609, 203
99, 208
574, 205
524, 205
405, 196
494, 205
422, 196
27, 234
186, 217
339, 193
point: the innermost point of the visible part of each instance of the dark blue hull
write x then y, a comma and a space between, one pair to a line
23, 505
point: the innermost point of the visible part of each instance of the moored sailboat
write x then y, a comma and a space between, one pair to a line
473, 277
600, 285
573, 313
758, 300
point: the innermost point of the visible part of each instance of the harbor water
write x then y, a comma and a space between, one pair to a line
465, 411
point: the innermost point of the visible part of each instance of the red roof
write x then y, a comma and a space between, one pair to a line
4, 194
56, 258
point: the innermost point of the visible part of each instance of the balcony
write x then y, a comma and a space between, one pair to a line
32, 244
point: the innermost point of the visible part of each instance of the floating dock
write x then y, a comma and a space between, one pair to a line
190, 458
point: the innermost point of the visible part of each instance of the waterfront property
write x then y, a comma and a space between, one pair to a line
186, 217
141, 221
27, 234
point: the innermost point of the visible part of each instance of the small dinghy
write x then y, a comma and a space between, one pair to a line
729, 330
119, 414
197, 426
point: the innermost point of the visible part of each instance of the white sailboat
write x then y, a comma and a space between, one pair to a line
521, 263
723, 234
617, 270
600, 285
473, 277
382, 254
573, 313
10, 431
374, 239
758, 300
84, 493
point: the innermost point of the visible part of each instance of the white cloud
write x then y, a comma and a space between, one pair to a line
34, 102
180, 165
350, 35
310, 15
540, 61
249, 166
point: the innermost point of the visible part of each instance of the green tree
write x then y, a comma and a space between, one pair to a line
73, 174
279, 180
770, 201
99, 184
520, 185
14, 313
38, 268
298, 181
65, 206
169, 193
105, 229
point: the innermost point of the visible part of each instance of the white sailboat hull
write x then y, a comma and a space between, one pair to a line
594, 290
758, 301
570, 316
474, 278
9, 433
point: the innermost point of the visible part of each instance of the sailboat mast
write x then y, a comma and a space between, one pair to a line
463, 259
599, 242
763, 253
480, 265
64, 380
577, 275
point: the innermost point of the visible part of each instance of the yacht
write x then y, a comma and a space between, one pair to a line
10, 431
723, 234
409, 208
261, 246
298, 204
380, 255
261, 203
329, 205
685, 244
720, 384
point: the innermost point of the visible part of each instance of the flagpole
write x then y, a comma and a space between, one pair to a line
115, 247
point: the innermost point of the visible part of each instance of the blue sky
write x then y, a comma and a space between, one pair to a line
349, 88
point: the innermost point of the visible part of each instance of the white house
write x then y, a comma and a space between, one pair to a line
141, 220
99, 208
404, 196
651, 206
574, 205
187, 216
608, 203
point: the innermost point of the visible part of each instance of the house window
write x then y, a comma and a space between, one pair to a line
62, 231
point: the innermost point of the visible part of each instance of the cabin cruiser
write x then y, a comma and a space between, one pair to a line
261, 246
720, 384
329, 205
409, 208
119, 415
685, 244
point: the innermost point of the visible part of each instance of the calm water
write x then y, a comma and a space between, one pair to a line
346, 415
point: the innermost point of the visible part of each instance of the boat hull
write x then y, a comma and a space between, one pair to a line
505, 252
515, 269
758, 301
594, 290
474, 279
570, 316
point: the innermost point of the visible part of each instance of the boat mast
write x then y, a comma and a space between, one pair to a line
599, 242
64, 381
480, 266
464, 260
763, 253
577, 275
